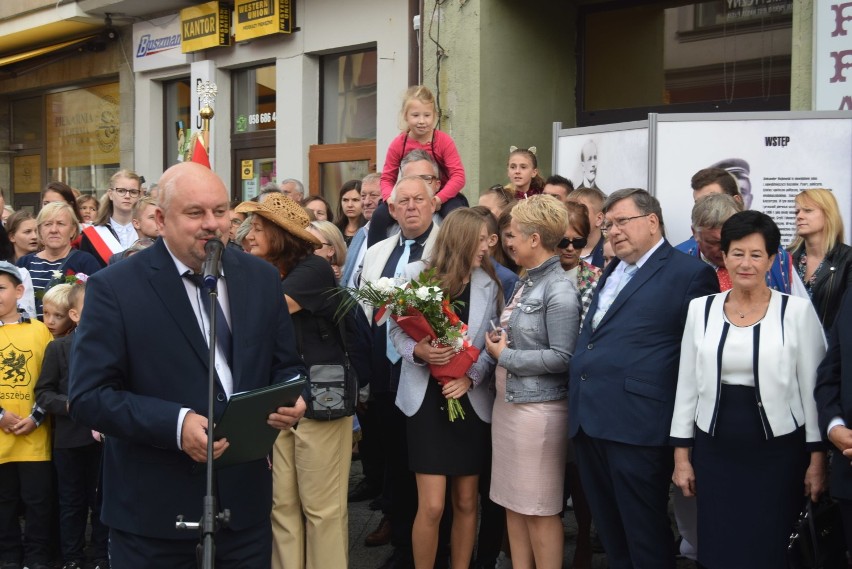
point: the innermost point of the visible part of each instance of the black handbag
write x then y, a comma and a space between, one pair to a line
817, 541
333, 385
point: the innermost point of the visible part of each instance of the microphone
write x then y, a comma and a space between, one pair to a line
213, 262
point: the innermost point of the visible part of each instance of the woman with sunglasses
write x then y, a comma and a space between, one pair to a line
112, 230
584, 275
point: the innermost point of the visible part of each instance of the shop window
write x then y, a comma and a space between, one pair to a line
253, 136
348, 110
26, 122
347, 123
176, 110
82, 137
254, 100
696, 57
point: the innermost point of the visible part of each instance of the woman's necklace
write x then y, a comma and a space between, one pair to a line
742, 314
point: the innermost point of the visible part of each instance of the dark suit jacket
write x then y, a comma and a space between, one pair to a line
833, 392
624, 374
51, 393
139, 356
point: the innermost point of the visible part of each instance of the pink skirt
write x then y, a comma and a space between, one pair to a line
530, 445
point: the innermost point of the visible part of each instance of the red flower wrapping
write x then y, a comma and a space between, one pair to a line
448, 312
456, 367
415, 325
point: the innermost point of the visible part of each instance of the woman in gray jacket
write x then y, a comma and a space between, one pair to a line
530, 418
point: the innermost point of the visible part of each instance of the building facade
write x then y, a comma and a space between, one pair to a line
88, 86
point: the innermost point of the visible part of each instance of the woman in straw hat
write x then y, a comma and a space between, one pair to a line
310, 466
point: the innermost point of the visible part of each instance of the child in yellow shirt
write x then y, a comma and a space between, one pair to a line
25, 470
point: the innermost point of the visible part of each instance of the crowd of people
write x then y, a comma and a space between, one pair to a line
609, 363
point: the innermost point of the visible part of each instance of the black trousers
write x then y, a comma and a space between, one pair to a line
78, 475
492, 524
370, 448
247, 549
400, 490
30, 484
628, 491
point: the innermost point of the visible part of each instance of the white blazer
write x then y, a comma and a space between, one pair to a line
414, 377
790, 347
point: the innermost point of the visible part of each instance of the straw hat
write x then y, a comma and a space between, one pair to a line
285, 213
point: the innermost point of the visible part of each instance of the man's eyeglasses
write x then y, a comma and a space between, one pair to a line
427, 178
621, 222
578, 243
134, 193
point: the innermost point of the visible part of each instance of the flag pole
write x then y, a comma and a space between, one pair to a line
201, 148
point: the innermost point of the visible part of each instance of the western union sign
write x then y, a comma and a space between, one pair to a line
257, 18
206, 25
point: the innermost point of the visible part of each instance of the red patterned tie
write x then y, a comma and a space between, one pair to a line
724, 279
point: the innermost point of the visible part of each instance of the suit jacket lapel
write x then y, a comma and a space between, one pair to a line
172, 294
643, 275
593, 306
237, 281
352, 257
481, 286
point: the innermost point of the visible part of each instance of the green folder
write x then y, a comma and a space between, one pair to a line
244, 421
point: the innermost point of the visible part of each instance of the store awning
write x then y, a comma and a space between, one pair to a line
38, 52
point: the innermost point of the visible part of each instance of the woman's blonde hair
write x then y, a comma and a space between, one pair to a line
543, 215
419, 93
53, 210
455, 246
832, 231
332, 234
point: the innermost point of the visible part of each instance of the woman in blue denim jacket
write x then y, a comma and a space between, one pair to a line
530, 420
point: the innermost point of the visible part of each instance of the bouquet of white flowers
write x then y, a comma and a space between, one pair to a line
421, 309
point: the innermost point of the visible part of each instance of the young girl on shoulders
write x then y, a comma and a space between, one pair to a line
420, 132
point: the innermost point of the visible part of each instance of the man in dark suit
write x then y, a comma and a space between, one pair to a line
833, 394
139, 375
623, 381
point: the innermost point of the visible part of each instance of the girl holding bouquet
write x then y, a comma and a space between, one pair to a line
530, 435
440, 449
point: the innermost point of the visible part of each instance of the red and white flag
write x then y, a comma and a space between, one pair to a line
199, 152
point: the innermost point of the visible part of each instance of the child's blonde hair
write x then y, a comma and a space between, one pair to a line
140, 205
419, 93
58, 296
75, 295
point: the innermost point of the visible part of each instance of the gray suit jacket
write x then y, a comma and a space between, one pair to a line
415, 376
351, 264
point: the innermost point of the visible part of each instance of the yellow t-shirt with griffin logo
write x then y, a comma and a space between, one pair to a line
22, 348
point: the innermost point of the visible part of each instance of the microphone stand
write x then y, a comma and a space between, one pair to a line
211, 520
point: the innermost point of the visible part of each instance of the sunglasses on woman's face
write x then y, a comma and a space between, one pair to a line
578, 243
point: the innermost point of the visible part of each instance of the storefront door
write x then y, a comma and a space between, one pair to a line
253, 167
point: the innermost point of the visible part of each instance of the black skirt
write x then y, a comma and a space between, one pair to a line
438, 446
749, 489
